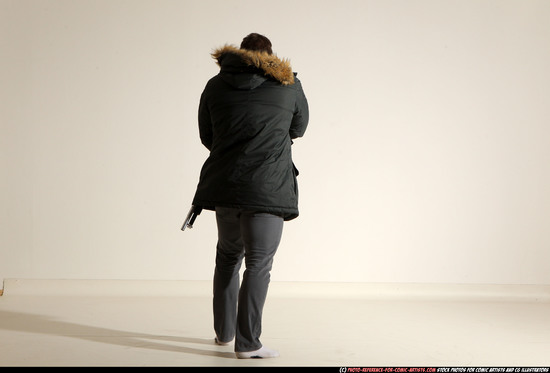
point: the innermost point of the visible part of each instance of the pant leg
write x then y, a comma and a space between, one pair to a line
261, 235
229, 255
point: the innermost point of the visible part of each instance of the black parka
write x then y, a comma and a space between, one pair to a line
248, 116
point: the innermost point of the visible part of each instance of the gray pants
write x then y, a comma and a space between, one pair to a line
238, 308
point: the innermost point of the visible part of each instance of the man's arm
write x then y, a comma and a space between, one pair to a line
205, 123
301, 112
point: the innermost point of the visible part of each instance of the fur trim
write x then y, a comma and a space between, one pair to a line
272, 65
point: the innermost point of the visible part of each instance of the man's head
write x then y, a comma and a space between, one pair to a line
256, 42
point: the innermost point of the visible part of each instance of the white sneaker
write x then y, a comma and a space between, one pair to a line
218, 342
262, 353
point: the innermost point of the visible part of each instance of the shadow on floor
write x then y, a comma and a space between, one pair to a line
38, 324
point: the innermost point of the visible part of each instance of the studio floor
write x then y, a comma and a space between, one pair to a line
101, 323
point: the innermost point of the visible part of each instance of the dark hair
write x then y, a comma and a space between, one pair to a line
257, 42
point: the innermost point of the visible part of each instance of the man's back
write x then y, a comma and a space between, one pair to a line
248, 115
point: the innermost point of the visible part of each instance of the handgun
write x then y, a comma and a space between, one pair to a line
194, 211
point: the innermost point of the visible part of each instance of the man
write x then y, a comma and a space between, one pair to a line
248, 116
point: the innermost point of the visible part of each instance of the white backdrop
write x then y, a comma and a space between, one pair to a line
426, 158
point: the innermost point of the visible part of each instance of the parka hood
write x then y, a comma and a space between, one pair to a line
253, 62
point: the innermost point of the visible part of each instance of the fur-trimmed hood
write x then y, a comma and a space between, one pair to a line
270, 64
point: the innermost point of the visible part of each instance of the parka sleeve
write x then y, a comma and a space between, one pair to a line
301, 112
205, 122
